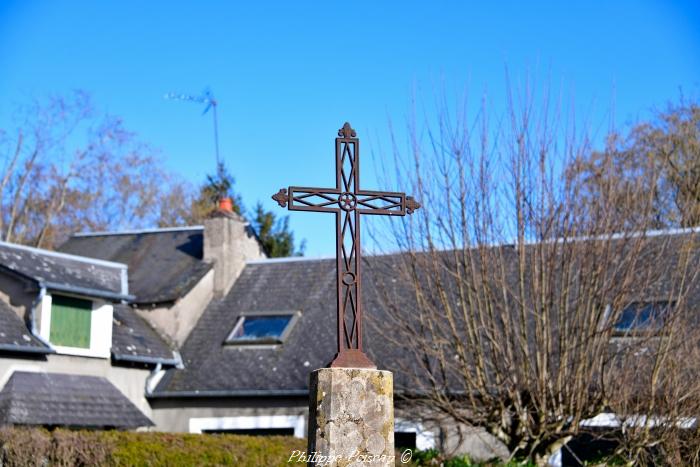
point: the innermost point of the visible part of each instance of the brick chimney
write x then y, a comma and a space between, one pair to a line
229, 242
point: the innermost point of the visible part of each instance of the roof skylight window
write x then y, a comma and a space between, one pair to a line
642, 318
261, 329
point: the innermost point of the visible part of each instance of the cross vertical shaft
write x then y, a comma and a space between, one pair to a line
348, 252
348, 202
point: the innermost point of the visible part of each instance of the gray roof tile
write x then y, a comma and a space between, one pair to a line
65, 272
164, 264
14, 335
271, 286
309, 287
133, 339
56, 399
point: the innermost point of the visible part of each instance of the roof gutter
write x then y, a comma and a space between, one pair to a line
152, 360
233, 393
86, 291
26, 349
228, 393
152, 304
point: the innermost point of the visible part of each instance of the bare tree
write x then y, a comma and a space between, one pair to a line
67, 168
517, 286
652, 386
662, 154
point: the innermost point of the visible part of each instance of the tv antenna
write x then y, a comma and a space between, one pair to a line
206, 98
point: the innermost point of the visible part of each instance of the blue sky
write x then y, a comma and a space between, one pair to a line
288, 74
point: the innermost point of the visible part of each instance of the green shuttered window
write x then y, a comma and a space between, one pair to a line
70, 322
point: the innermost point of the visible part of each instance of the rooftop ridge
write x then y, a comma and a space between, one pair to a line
289, 259
292, 259
611, 236
139, 231
623, 235
58, 254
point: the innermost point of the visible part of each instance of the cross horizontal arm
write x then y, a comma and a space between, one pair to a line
300, 198
313, 199
389, 203
381, 203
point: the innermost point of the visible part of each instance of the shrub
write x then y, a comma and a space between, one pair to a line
23, 448
20, 447
79, 448
169, 449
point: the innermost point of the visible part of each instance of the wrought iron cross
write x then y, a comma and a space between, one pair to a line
348, 202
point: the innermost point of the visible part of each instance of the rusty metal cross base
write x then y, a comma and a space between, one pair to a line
352, 358
348, 202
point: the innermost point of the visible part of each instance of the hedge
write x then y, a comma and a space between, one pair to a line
25, 447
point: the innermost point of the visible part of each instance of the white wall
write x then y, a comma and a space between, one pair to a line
190, 416
247, 422
425, 439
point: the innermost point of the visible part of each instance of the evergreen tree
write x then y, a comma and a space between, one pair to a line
274, 234
217, 186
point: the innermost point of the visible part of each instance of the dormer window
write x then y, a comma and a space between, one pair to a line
261, 328
71, 321
76, 325
642, 318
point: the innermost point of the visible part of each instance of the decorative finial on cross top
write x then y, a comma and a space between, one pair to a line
348, 202
347, 131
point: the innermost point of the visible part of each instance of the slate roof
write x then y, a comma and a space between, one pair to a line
270, 286
69, 273
14, 335
308, 286
164, 264
133, 339
67, 400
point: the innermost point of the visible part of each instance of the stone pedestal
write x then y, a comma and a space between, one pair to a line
351, 418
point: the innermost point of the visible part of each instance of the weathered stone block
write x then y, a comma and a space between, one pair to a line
351, 417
